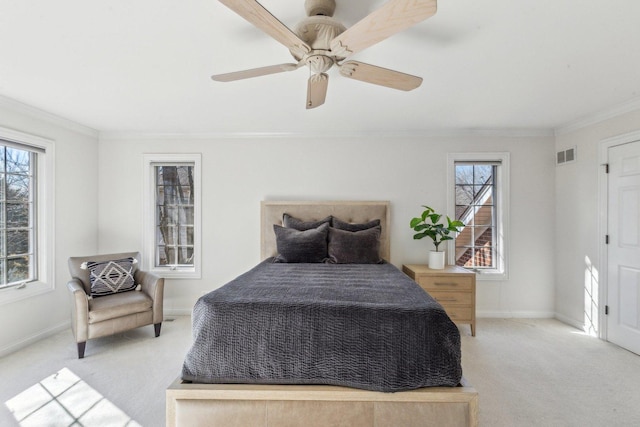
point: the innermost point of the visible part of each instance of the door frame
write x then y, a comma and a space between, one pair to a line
603, 214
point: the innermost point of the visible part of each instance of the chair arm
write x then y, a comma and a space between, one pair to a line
79, 310
153, 286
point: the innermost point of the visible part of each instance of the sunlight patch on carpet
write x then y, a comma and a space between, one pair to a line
63, 399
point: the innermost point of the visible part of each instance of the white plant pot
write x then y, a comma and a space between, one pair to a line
436, 260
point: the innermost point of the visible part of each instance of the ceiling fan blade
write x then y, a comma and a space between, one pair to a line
255, 72
379, 76
256, 14
317, 90
393, 17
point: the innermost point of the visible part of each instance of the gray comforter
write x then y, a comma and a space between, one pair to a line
363, 326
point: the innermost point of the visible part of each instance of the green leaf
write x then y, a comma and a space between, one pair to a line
420, 235
435, 218
414, 222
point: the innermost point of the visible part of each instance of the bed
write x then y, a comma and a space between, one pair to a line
237, 389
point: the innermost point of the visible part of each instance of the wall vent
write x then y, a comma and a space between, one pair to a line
566, 156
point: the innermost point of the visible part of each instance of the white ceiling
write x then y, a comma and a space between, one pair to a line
144, 66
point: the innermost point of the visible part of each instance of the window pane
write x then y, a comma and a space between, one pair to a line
185, 236
185, 256
18, 269
168, 215
464, 194
186, 215
17, 242
2, 270
17, 188
482, 194
167, 235
169, 194
166, 255
18, 214
482, 174
17, 161
464, 174
482, 257
483, 216
483, 236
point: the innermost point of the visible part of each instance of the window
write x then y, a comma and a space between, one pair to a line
478, 184
172, 228
17, 216
26, 215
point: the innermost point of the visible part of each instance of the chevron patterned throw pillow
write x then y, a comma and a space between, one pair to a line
110, 277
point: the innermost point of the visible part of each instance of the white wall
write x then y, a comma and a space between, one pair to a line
240, 172
76, 204
576, 213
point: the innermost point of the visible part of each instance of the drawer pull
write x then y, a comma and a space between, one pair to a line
445, 284
450, 299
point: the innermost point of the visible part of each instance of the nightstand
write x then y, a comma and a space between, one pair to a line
453, 287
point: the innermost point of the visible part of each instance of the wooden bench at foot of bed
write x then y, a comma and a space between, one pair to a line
249, 405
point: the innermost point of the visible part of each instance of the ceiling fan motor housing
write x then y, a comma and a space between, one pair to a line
320, 7
317, 32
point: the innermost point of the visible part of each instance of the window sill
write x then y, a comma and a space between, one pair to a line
488, 276
176, 274
31, 289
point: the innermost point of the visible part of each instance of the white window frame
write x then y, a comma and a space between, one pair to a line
45, 212
149, 220
501, 272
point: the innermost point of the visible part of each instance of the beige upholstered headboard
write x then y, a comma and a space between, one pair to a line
349, 211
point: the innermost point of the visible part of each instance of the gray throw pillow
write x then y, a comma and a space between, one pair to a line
348, 226
301, 246
293, 222
354, 247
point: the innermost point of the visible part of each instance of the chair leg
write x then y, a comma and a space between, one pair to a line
157, 327
81, 346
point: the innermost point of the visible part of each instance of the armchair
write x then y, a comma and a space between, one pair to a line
110, 314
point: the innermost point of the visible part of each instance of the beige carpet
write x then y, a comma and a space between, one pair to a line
527, 373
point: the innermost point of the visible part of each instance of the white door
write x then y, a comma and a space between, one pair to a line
623, 284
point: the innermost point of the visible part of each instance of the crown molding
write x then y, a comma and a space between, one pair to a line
430, 133
22, 108
592, 119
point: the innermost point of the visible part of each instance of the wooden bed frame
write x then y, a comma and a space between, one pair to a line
249, 405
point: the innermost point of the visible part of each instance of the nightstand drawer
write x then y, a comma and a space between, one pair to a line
459, 314
448, 283
453, 287
452, 297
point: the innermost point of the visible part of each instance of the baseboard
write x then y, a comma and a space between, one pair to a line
516, 314
34, 338
177, 312
569, 321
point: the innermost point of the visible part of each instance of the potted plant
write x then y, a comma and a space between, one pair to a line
429, 225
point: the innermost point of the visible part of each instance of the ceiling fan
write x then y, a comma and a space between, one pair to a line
320, 42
